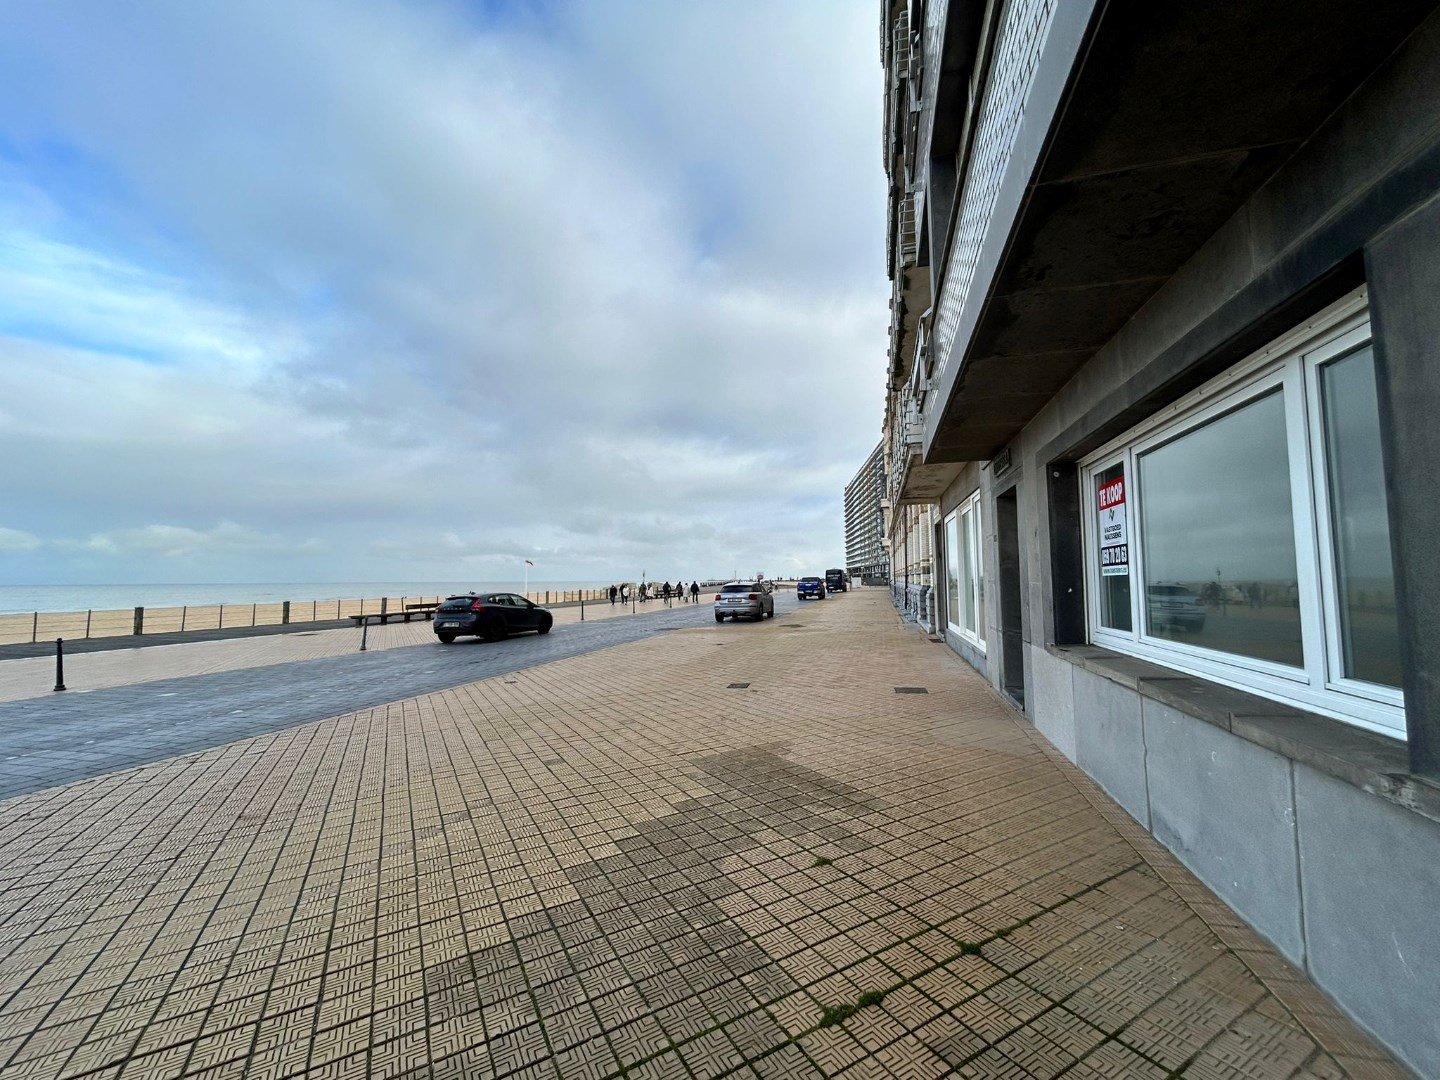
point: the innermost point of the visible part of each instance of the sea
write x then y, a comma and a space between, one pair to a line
27, 598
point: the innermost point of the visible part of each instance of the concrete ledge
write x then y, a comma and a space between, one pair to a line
1365, 760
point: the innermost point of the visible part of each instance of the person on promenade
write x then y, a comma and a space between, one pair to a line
625, 594
694, 592
665, 589
613, 591
644, 592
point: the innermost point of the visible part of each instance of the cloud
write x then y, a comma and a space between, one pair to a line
178, 541
16, 541
576, 282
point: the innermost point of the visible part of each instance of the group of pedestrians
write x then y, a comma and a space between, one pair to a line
649, 590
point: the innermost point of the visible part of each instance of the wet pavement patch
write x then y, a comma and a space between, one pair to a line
911, 690
648, 934
738, 686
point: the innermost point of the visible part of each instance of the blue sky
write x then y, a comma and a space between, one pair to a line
415, 291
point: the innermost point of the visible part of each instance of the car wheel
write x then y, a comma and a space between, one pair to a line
494, 630
545, 624
445, 639
719, 617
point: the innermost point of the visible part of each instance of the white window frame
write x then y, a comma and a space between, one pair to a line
970, 573
1290, 366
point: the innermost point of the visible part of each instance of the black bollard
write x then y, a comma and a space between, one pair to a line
364, 633
582, 608
59, 663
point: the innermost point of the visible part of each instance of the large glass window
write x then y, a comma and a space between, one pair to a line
1220, 536
1243, 534
1113, 532
965, 600
975, 567
952, 572
1369, 635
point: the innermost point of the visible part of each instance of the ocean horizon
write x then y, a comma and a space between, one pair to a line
20, 599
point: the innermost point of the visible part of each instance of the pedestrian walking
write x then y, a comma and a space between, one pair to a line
665, 590
613, 591
694, 592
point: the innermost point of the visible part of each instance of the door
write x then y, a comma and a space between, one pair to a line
1011, 617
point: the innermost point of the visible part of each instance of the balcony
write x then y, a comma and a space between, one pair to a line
1103, 154
911, 480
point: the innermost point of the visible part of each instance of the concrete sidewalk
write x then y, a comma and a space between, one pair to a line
816, 846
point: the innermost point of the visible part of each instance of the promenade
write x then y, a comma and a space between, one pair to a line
649, 847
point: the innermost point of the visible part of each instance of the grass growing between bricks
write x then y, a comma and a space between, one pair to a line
838, 1014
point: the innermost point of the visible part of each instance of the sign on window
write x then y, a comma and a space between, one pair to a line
1114, 535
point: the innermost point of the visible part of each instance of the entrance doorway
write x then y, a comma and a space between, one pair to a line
1012, 638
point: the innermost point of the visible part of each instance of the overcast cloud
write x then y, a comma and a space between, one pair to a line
345, 291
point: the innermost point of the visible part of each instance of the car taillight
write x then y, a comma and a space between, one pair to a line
477, 606
754, 596
717, 596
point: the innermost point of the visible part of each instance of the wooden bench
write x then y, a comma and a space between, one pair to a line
411, 611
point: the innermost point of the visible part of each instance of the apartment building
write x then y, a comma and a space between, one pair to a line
865, 556
1161, 399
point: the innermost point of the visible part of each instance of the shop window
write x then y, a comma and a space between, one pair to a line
1253, 517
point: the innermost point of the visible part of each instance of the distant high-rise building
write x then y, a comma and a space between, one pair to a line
864, 521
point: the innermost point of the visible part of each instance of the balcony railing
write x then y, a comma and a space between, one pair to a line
1019, 43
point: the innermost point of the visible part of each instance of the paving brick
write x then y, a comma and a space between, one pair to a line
577, 855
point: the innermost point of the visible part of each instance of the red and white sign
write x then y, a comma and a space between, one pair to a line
1114, 535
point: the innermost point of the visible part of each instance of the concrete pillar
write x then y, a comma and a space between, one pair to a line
1403, 269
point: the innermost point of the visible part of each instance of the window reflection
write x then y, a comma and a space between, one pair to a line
952, 572
979, 532
967, 533
1359, 523
1220, 538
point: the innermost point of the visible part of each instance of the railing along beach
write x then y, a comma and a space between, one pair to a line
35, 626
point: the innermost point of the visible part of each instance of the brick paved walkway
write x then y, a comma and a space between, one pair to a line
182, 698
631, 862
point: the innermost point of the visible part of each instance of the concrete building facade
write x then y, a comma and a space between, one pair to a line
865, 556
1161, 399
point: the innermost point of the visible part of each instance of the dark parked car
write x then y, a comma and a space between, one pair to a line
491, 616
810, 588
837, 580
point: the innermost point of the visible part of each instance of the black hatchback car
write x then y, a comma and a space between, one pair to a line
491, 616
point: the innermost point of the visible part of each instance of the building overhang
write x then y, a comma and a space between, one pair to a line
1174, 115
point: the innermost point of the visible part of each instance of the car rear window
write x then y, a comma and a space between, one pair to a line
810, 580
738, 588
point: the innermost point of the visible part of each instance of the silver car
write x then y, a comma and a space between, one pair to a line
1174, 606
752, 599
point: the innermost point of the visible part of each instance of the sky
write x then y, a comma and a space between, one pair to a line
359, 290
